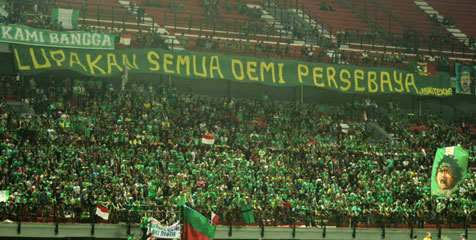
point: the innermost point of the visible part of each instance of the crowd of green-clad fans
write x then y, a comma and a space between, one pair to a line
139, 151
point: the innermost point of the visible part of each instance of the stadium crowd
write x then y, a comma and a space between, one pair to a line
140, 150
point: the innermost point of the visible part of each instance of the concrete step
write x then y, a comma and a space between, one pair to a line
421, 3
426, 7
453, 30
254, 6
459, 35
431, 12
267, 17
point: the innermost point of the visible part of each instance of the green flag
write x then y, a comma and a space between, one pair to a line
67, 17
4, 9
247, 214
449, 170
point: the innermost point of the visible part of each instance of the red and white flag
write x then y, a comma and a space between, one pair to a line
102, 212
214, 218
208, 139
344, 127
125, 39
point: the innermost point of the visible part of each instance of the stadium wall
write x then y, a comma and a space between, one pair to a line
119, 231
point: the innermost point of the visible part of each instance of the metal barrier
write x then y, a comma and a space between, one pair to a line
131, 214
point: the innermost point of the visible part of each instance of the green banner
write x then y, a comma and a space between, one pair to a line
247, 214
449, 170
19, 34
68, 18
198, 65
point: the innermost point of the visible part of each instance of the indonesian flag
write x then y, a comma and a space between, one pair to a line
208, 139
344, 127
125, 39
102, 212
214, 218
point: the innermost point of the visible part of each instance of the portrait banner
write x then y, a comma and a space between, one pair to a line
464, 79
204, 65
449, 170
161, 231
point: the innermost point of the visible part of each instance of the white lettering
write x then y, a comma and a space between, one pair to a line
31, 36
42, 39
96, 39
54, 38
64, 39
75, 38
5, 32
106, 41
19, 34
86, 38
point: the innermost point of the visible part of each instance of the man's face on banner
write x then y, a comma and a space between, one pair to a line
444, 178
465, 81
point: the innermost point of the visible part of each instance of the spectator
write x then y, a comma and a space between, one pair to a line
140, 14
184, 41
132, 237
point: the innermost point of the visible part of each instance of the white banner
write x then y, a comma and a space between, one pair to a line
161, 231
4, 196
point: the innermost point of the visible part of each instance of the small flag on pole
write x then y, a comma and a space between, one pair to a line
3, 11
344, 127
125, 39
214, 218
102, 212
208, 139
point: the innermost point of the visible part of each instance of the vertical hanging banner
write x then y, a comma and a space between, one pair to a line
464, 79
449, 170
67, 17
